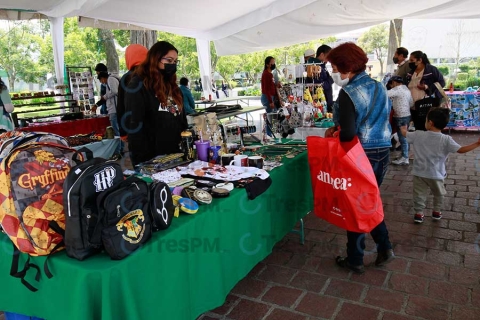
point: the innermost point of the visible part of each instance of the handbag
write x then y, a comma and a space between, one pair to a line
345, 191
423, 105
446, 102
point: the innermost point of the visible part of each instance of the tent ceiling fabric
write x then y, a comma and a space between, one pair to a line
250, 25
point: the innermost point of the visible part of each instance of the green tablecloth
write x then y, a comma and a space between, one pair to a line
181, 273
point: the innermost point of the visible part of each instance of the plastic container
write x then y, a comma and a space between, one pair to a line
16, 316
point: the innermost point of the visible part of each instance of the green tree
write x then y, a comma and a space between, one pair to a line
18, 47
444, 70
375, 41
464, 67
83, 46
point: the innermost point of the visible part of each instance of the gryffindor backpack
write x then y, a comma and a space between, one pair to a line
32, 170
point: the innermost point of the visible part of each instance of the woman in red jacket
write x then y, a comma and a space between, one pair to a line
268, 87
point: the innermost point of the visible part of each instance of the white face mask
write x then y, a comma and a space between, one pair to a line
338, 79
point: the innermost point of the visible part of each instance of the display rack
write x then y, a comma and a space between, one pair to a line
46, 109
81, 83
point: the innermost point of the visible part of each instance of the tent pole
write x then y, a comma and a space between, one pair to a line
205, 64
56, 26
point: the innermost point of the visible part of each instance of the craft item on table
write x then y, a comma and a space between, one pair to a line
226, 159
202, 196
198, 195
307, 96
228, 186
255, 161
308, 116
213, 156
204, 184
202, 149
207, 128
220, 193
187, 145
176, 190
320, 94
256, 187
240, 160
278, 152
296, 118
80, 139
220, 173
183, 182
175, 199
160, 163
188, 205
253, 147
167, 176
270, 165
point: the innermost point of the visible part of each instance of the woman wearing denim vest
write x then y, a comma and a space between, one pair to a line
356, 114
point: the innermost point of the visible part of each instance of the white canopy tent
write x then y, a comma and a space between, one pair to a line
240, 26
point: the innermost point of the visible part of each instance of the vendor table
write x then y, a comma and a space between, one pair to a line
181, 272
465, 110
73, 127
100, 149
303, 132
245, 110
238, 100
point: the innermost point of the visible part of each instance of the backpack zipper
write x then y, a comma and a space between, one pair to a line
69, 190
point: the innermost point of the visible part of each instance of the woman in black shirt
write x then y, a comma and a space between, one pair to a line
154, 105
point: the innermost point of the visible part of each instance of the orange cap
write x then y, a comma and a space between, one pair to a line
134, 55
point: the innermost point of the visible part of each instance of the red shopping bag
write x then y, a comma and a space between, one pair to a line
345, 190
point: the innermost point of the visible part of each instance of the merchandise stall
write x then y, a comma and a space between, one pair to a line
209, 251
96, 124
304, 112
58, 112
465, 110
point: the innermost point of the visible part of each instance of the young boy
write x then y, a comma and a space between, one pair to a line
431, 149
401, 103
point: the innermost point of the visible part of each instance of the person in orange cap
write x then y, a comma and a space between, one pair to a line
134, 55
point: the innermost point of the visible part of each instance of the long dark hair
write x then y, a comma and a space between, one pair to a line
420, 55
267, 61
154, 80
2, 85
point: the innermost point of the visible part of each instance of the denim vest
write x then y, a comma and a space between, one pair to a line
376, 131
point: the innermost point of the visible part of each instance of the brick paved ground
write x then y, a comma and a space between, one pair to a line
435, 275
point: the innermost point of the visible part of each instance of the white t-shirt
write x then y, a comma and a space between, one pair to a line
431, 150
401, 101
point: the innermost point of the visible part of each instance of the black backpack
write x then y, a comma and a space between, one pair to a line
126, 218
82, 186
161, 206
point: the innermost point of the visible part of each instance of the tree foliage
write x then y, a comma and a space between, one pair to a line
444, 70
375, 40
19, 46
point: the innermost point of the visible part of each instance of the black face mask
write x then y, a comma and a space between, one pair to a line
272, 67
395, 60
412, 65
170, 70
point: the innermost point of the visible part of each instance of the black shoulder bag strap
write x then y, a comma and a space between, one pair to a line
372, 105
20, 274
